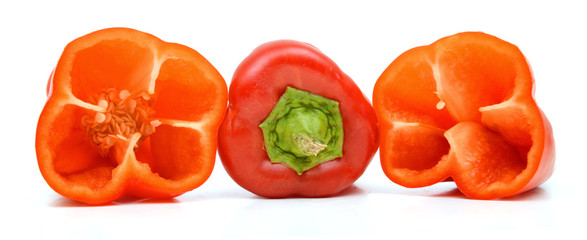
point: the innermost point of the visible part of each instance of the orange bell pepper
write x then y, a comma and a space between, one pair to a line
129, 114
463, 108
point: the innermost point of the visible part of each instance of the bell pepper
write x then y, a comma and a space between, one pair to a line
296, 125
463, 108
129, 114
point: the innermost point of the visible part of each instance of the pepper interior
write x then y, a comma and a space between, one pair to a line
177, 99
470, 83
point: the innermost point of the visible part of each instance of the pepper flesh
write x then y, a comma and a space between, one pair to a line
160, 153
257, 84
463, 108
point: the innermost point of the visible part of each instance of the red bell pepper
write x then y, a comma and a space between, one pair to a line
463, 108
129, 114
296, 124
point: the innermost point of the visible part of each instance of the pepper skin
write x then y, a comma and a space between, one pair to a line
129, 114
463, 108
257, 85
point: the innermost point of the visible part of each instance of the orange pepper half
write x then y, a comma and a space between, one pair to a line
463, 108
129, 114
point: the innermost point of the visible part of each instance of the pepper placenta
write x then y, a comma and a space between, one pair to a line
296, 125
463, 108
129, 114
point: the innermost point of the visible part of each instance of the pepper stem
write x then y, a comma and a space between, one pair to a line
309, 146
303, 130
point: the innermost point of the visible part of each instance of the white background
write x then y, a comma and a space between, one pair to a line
362, 37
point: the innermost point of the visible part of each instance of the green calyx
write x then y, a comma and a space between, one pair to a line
303, 130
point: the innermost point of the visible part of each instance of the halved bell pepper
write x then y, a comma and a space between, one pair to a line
129, 114
463, 108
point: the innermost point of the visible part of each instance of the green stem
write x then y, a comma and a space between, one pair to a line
303, 130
